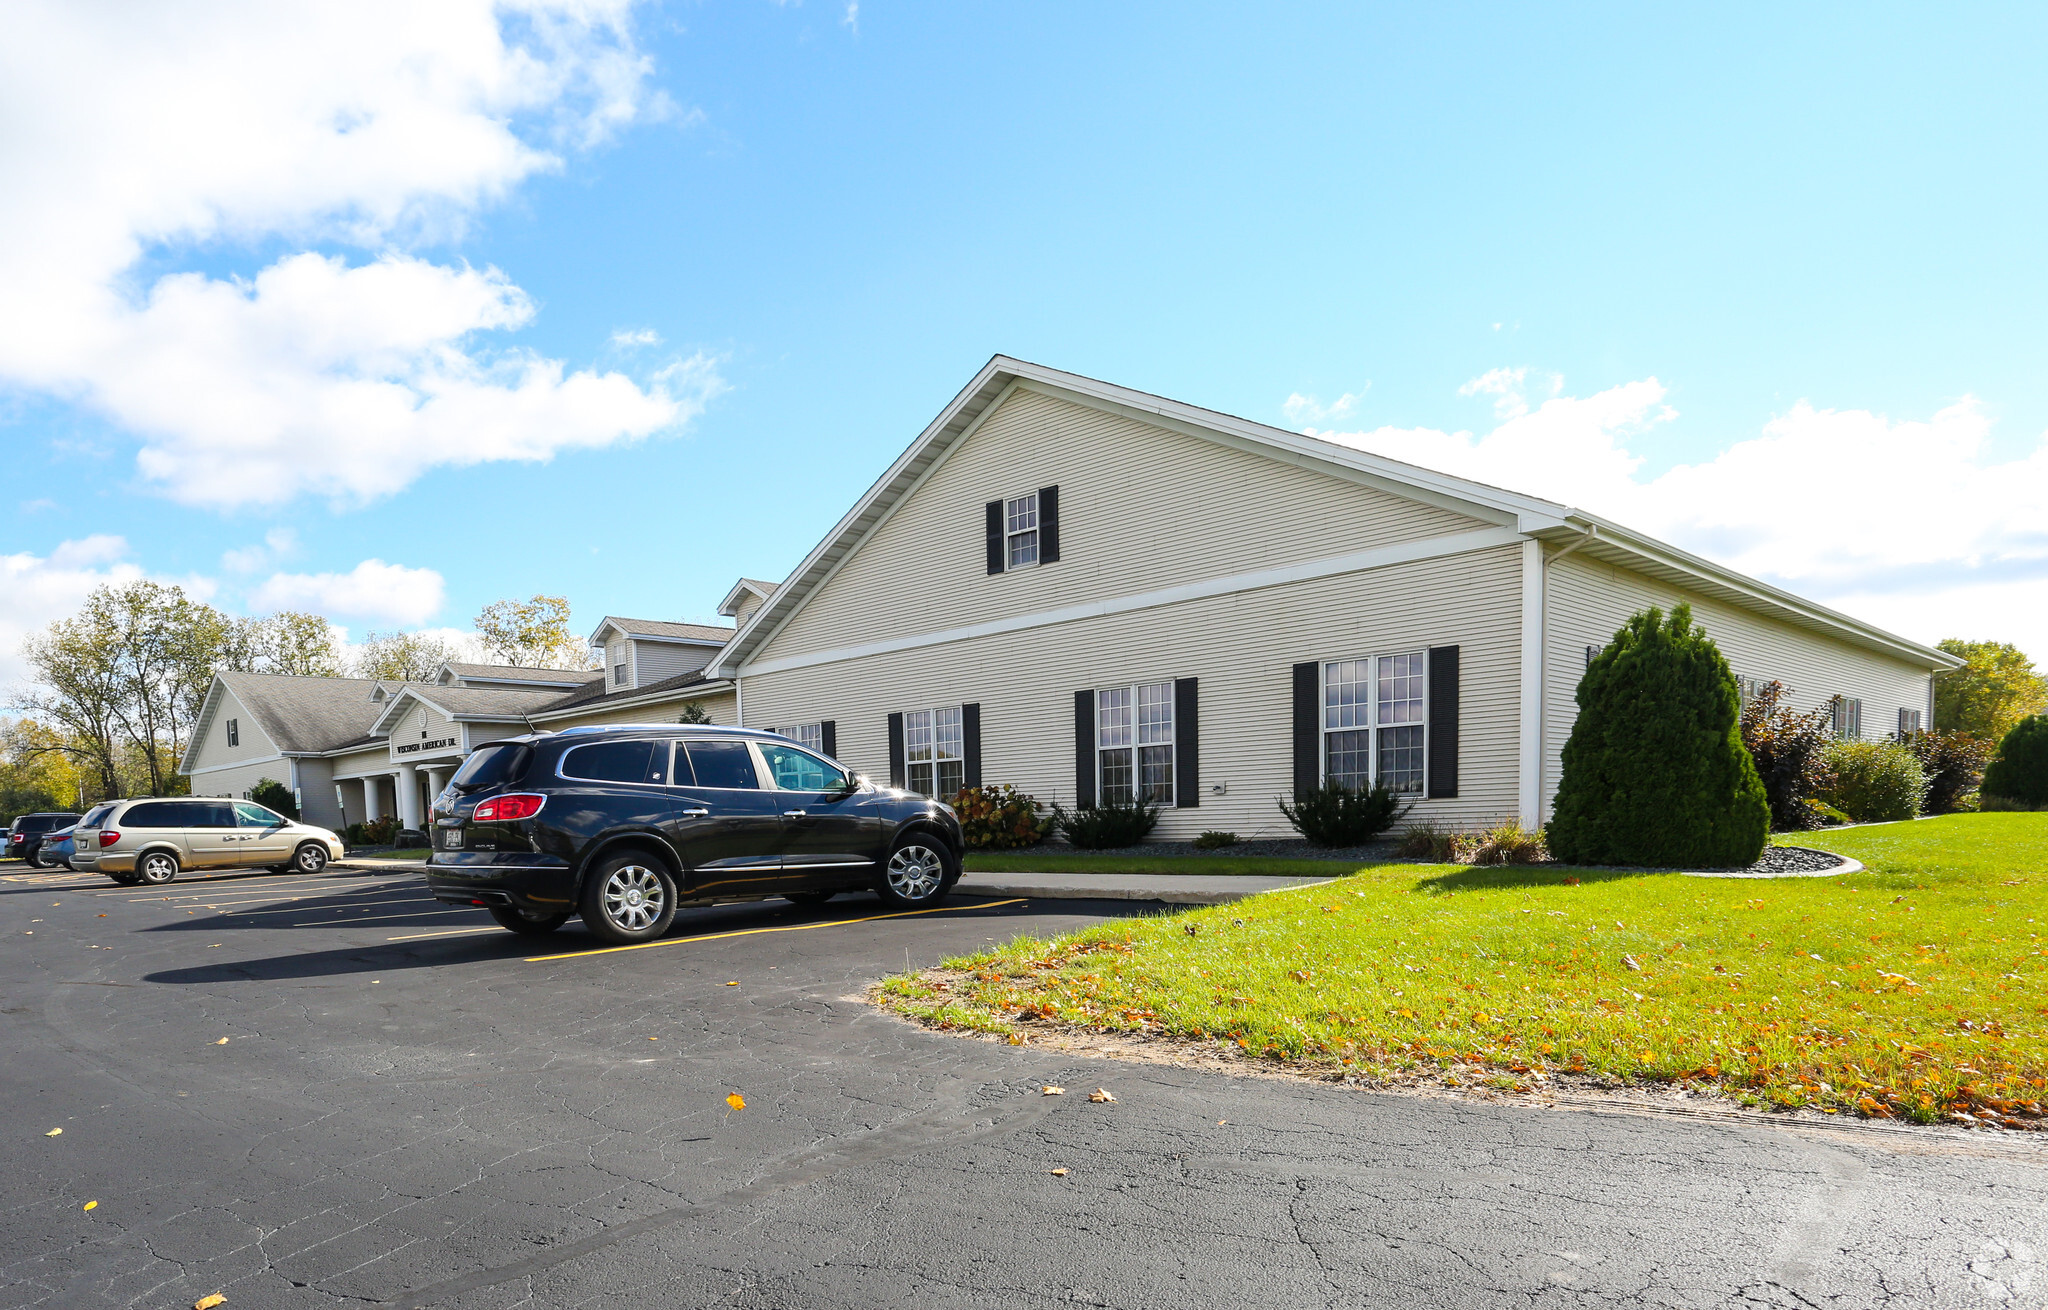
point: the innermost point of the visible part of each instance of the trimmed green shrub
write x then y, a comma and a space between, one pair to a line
1508, 842
2019, 772
998, 817
1214, 840
1954, 764
275, 795
1336, 815
1427, 839
1827, 816
1106, 827
1655, 772
1875, 781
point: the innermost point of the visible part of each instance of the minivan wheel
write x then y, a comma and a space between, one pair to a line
919, 873
156, 868
310, 858
629, 898
525, 922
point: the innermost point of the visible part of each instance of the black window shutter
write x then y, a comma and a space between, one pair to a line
970, 743
995, 536
828, 737
1443, 721
1187, 744
897, 772
1084, 749
1308, 724
1048, 524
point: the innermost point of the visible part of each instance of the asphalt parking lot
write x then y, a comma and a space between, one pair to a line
309, 1091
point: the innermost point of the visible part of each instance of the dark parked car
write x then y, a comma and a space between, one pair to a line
25, 837
624, 825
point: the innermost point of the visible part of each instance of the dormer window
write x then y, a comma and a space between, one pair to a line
618, 675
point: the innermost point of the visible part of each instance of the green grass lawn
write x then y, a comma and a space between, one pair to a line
420, 854
1061, 862
1912, 989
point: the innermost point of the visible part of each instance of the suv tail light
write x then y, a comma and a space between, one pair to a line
519, 805
108, 836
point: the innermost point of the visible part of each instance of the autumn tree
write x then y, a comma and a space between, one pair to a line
1996, 688
532, 634
403, 656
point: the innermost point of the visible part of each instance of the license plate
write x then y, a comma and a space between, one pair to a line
451, 839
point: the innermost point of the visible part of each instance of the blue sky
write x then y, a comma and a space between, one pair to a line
1797, 252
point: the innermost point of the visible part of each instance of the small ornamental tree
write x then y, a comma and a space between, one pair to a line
274, 794
2019, 772
1655, 772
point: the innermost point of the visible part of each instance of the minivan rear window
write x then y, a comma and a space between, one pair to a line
163, 814
93, 817
493, 766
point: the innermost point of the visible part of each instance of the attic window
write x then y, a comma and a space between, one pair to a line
234, 732
1020, 531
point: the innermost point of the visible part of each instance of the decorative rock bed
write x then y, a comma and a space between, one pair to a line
1787, 862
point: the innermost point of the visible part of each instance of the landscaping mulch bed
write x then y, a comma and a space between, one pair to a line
1293, 848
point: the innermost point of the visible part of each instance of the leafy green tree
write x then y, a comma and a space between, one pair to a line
1996, 688
1655, 772
271, 792
2019, 772
532, 634
403, 656
694, 712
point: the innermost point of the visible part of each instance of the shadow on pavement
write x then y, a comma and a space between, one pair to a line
484, 947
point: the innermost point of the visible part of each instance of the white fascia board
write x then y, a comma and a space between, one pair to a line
206, 711
732, 598
381, 727
1355, 562
673, 641
696, 692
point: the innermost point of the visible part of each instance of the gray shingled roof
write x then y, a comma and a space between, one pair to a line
762, 583
596, 690
311, 714
657, 628
568, 677
493, 702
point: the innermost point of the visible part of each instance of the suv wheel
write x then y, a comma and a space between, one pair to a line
527, 924
310, 858
156, 867
629, 898
919, 873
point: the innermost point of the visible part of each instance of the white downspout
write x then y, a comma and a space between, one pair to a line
1535, 597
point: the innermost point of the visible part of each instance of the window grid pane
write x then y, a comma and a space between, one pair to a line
948, 740
1155, 714
1116, 776
1347, 694
1347, 758
1400, 689
1400, 762
1155, 770
1020, 526
921, 779
917, 737
810, 736
1113, 717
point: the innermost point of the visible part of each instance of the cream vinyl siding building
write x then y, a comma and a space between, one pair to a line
1077, 588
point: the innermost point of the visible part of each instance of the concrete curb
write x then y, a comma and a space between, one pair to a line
1210, 889
1846, 866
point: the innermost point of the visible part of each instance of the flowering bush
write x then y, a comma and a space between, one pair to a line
1790, 751
998, 817
1954, 764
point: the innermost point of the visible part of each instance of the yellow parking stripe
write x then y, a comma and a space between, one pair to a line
451, 932
749, 932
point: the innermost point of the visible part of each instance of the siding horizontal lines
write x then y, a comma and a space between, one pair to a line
1588, 600
1141, 507
1241, 645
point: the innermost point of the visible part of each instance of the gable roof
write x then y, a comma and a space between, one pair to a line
759, 587
303, 716
1597, 537
695, 634
511, 673
469, 704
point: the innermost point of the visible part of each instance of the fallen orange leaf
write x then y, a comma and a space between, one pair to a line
1100, 1097
736, 1101
209, 1302
222, 1042
1059, 1173
54, 1132
732, 984
91, 1204
1055, 1091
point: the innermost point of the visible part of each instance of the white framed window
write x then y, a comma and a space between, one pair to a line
1020, 531
1848, 717
1375, 722
1749, 688
810, 736
933, 751
1134, 744
234, 732
1909, 723
618, 675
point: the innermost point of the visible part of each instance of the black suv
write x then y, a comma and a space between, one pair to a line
25, 837
623, 825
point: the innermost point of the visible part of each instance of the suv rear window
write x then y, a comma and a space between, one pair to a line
492, 766
614, 761
44, 822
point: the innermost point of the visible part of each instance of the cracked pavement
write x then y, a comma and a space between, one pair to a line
408, 1112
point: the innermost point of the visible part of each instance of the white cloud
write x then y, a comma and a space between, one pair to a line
36, 590
373, 590
629, 338
1307, 409
163, 132
278, 544
852, 18
1906, 524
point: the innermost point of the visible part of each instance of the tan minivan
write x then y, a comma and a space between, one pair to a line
151, 840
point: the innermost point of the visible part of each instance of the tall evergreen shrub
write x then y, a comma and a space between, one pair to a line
1655, 772
2020, 770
